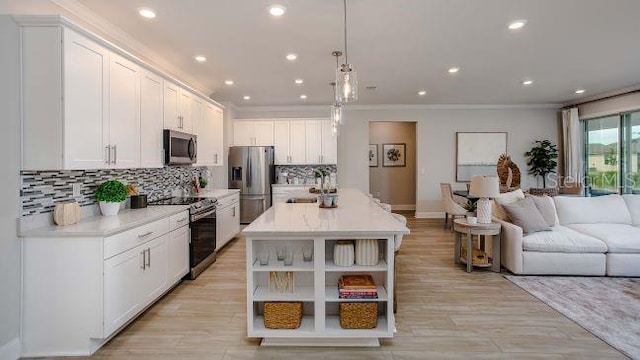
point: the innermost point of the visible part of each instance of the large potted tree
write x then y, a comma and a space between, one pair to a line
542, 160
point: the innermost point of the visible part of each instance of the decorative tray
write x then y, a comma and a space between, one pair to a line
328, 207
318, 191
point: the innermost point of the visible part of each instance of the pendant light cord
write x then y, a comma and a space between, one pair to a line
346, 56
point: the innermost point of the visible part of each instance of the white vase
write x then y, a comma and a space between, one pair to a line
343, 254
109, 208
367, 252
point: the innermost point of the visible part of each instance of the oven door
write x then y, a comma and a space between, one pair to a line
203, 241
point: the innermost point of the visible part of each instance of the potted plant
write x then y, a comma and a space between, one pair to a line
542, 160
203, 182
471, 206
110, 194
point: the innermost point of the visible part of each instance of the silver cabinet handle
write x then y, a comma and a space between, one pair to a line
149, 257
234, 211
115, 152
215, 158
142, 236
108, 154
144, 260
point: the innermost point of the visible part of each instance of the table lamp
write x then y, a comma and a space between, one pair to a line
484, 188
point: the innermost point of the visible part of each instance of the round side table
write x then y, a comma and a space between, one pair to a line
461, 227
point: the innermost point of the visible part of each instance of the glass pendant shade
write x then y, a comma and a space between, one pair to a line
346, 84
334, 129
336, 114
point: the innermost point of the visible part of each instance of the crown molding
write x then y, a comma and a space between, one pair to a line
95, 22
294, 108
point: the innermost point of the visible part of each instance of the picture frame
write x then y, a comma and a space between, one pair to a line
477, 153
373, 155
394, 155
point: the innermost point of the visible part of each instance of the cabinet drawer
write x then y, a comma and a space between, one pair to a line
179, 220
119, 243
228, 200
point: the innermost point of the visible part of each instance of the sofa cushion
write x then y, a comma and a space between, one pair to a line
620, 238
546, 207
633, 205
505, 198
592, 210
562, 239
525, 214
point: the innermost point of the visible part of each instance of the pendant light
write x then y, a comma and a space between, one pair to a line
336, 108
346, 77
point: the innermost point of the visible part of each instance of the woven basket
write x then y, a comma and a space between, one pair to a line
358, 315
544, 191
479, 257
282, 315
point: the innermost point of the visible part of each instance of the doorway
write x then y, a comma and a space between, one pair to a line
392, 163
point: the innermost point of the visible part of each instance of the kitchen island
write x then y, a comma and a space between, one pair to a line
298, 226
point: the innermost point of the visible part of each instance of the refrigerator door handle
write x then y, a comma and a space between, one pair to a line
248, 169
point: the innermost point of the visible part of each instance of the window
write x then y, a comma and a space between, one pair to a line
612, 154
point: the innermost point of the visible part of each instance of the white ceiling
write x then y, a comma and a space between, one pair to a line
398, 46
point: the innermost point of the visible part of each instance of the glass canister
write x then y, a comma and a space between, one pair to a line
343, 253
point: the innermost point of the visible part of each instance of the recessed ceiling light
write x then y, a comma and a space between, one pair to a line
147, 13
422, 92
200, 58
277, 10
247, 97
292, 56
518, 24
453, 70
228, 82
299, 81
303, 97
579, 91
527, 82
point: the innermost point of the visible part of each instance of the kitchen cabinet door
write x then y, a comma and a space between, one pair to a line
263, 133
227, 224
297, 142
314, 141
86, 132
123, 278
124, 113
329, 144
281, 142
178, 254
243, 133
184, 111
151, 108
155, 273
217, 136
171, 111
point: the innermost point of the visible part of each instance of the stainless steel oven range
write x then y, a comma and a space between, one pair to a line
202, 224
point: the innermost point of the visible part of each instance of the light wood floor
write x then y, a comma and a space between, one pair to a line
443, 313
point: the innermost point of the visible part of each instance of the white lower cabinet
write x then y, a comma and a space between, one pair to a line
80, 291
227, 219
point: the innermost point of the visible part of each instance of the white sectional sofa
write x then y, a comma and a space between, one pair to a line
591, 236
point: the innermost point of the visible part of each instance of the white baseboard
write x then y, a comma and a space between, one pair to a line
10, 350
403, 207
429, 215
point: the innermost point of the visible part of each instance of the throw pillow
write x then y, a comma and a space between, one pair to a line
546, 207
525, 214
505, 198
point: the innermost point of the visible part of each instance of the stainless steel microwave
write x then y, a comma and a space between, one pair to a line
180, 148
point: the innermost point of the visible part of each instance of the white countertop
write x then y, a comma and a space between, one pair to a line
103, 226
294, 185
217, 193
356, 214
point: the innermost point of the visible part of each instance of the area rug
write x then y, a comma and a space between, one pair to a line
607, 307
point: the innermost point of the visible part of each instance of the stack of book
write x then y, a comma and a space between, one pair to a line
357, 287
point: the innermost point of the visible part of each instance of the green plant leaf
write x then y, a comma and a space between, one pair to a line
111, 191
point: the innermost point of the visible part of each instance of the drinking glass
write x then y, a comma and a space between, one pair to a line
307, 253
280, 252
288, 257
263, 257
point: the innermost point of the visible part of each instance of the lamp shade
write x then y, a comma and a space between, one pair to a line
484, 187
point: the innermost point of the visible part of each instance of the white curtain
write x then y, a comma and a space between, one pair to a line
572, 133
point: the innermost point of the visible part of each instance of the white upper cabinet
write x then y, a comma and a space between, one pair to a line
209, 129
289, 142
322, 145
151, 109
86, 104
124, 113
253, 133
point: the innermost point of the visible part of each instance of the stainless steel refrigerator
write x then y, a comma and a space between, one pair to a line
252, 171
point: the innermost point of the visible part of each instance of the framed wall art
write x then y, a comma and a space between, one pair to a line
373, 155
477, 153
394, 155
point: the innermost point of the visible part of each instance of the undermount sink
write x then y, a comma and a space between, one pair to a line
302, 200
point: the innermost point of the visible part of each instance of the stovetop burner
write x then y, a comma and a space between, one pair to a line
195, 202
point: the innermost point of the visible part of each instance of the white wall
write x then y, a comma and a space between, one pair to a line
436, 129
10, 247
